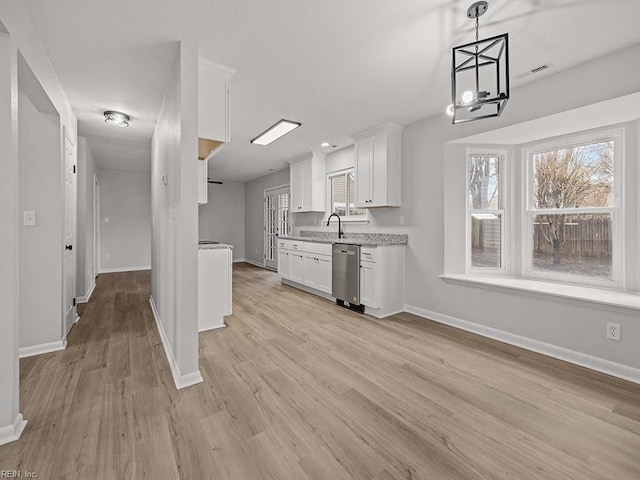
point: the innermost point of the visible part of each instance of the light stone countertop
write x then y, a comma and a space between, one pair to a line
364, 239
214, 246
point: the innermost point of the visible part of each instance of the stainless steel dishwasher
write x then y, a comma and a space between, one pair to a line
345, 275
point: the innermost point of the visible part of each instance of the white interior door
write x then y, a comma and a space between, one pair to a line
69, 266
276, 222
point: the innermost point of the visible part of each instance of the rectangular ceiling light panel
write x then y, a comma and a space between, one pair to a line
276, 131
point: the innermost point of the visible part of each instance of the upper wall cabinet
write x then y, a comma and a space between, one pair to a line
308, 187
214, 88
378, 166
203, 184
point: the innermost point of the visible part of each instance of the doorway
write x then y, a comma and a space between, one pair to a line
276, 222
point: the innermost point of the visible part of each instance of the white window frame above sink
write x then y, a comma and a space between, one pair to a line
363, 219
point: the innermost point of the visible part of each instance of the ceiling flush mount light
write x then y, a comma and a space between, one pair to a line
479, 74
325, 144
118, 119
274, 132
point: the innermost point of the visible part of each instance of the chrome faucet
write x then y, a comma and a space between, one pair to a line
340, 234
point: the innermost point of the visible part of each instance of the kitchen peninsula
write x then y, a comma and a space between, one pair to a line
215, 262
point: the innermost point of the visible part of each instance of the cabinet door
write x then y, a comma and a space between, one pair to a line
297, 267
296, 187
284, 263
230, 284
213, 105
307, 187
379, 171
202, 182
368, 294
311, 271
324, 274
363, 173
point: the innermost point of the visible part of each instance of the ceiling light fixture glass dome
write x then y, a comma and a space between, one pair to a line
118, 119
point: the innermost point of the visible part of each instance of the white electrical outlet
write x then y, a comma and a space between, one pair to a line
401, 220
107, 219
106, 256
613, 331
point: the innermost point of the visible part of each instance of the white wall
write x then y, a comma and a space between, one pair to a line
125, 198
22, 36
254, 212
174, 208
40, 261
85, 269
222, 218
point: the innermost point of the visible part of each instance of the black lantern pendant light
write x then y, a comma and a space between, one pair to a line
479, 74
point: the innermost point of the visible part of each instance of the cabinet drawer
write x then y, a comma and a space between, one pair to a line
369, 254
318, 248
291, 245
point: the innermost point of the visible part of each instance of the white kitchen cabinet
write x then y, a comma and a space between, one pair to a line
317, 273
215, 274
308, 265
378, 166
214, 110
284, 263
297, 267
308, 183
203, 186
310, 270
368, 284
324, 274
382, 280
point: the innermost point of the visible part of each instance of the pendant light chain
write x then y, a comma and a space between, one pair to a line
477, 29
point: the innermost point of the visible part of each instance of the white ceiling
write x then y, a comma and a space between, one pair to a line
335, 66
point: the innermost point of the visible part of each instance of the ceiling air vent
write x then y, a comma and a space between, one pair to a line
542, 68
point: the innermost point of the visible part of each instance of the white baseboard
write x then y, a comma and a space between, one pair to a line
181, 381
85, 298
42, 348
125, 269
578, 358
11, 433
240, 260
251, 262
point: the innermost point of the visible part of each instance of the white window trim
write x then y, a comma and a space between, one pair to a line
617, 211
503, 212
348, 219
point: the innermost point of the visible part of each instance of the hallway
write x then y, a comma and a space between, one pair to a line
296, 388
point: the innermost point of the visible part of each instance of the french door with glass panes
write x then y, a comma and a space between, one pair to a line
276, 222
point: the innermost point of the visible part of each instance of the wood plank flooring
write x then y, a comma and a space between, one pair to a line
297, 388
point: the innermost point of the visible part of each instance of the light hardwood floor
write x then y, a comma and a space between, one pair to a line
297, 388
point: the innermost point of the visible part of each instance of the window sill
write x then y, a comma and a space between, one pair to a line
598, 297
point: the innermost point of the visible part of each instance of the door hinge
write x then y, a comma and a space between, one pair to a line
74, 302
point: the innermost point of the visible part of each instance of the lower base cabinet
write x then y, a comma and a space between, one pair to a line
215, 273
284, 263
317, 272
297, 267
368, 293
308, 264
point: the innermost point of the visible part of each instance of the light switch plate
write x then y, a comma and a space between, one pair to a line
29, 219
106, 219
